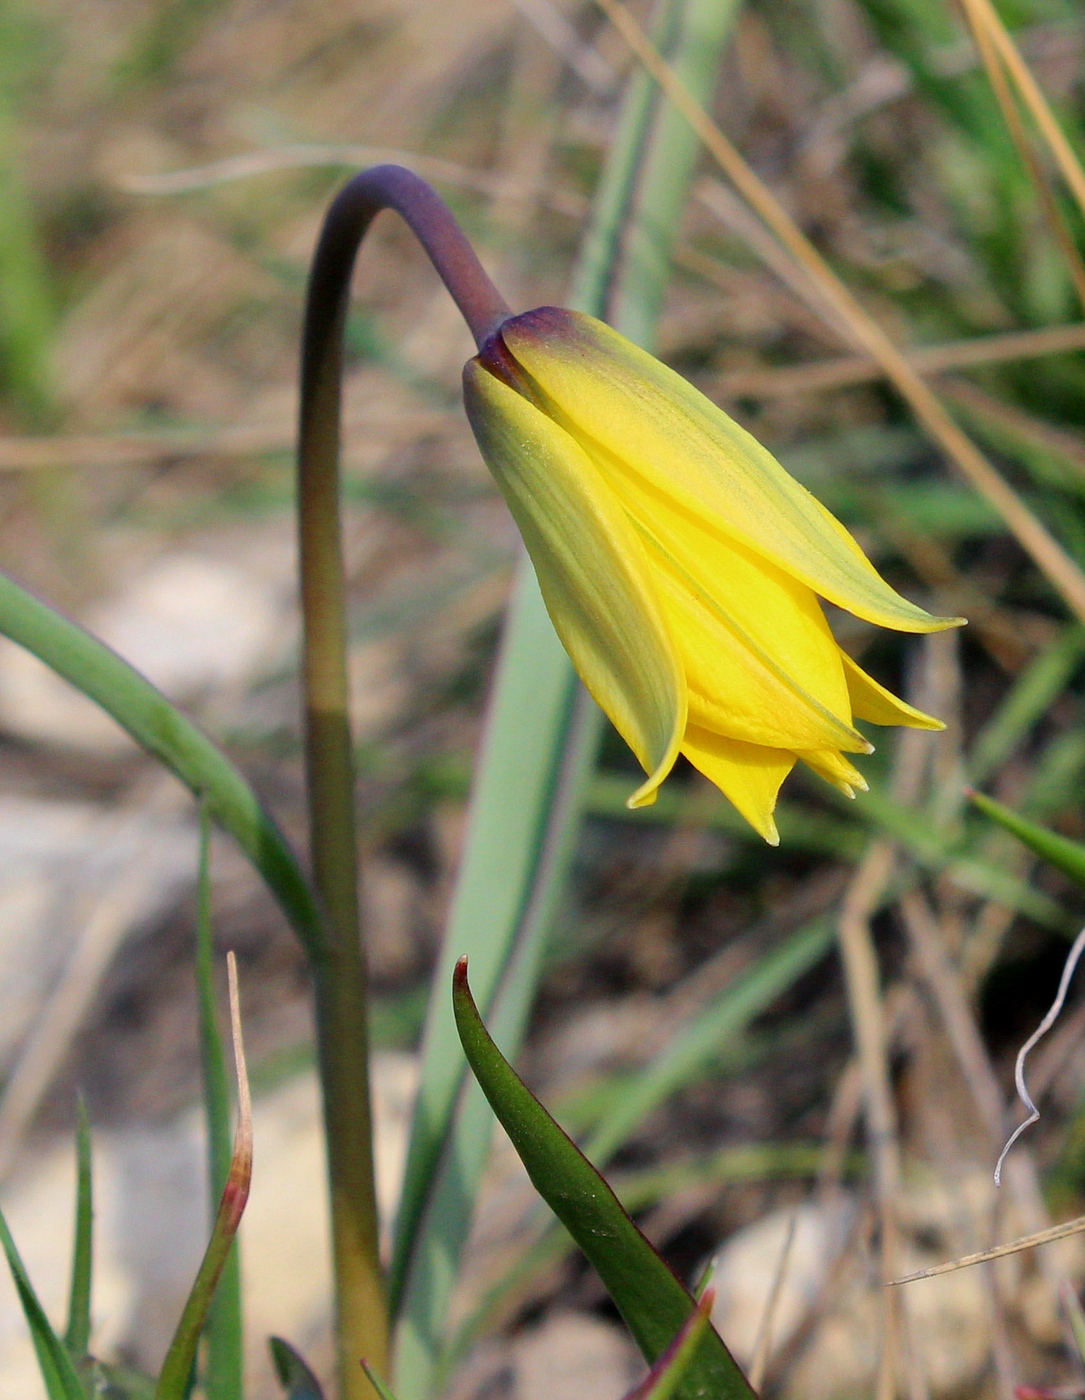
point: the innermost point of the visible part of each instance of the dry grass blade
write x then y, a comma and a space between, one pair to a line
763, 1347
1056, 1232
442, 172
996, 74
1046, 552
983, 17
845, 370
1041, 1030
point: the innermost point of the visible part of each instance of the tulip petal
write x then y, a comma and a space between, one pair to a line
836, 769
653, 425
737, 684
591, 568
749, 775
872, 702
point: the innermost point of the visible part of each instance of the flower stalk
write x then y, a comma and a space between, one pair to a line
339, 963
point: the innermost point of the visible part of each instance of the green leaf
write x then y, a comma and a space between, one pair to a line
1060, 851
164, 731
77, 1337
176, 1375
651, 1299
223, 1366
57, 1368
297, 1379
541, 736
663, 1380
378, 1383
106, 1382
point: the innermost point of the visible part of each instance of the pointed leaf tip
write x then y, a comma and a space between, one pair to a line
654, 1303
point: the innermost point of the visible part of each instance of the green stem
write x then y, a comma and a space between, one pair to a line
339, 970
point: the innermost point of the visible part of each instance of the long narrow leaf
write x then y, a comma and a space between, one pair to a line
57, 1368
175, 1376
663, 1380
1067, 855
297, 1379
77, 1337
696, 1044
651, 1299
164, 731
542, 735
223, 1369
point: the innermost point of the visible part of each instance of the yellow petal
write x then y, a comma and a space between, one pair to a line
749, 775
835, 769
735, 687
871, 701
591, 568
653, 425
760, 660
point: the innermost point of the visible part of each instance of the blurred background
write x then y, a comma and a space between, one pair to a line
164, 166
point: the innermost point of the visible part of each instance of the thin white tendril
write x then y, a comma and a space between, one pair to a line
1038, 1034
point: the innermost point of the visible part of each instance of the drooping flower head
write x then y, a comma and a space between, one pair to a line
680, 563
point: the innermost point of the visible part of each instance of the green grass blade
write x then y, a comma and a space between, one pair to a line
694, 1047
57, 1368
163, 730
223, 1368
175, 1378
1060, 851
528, 797
77, 1336
1032, 693
296, 1378
379, 1385
517, 782
651, 1299
670, 1371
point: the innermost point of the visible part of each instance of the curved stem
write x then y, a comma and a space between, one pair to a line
338, 965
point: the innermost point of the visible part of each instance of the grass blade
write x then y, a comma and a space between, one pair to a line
697, 1043
222, 1378
57, 1368
832, 299
297, 1379
542, 735
1060, 851
77, 1337
173, 1381
651, 1299
663, 1380
163, 730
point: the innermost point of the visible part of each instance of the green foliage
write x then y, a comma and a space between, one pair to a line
1067, 855
77, 1337
27, 298
222, 1374
673, 1367
57, 1367
297, 1379
654, 1304
164, 731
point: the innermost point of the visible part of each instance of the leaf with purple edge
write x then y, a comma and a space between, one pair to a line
655, 1304
670, 1370
295, 1376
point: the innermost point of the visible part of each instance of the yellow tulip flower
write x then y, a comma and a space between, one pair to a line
680, 563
